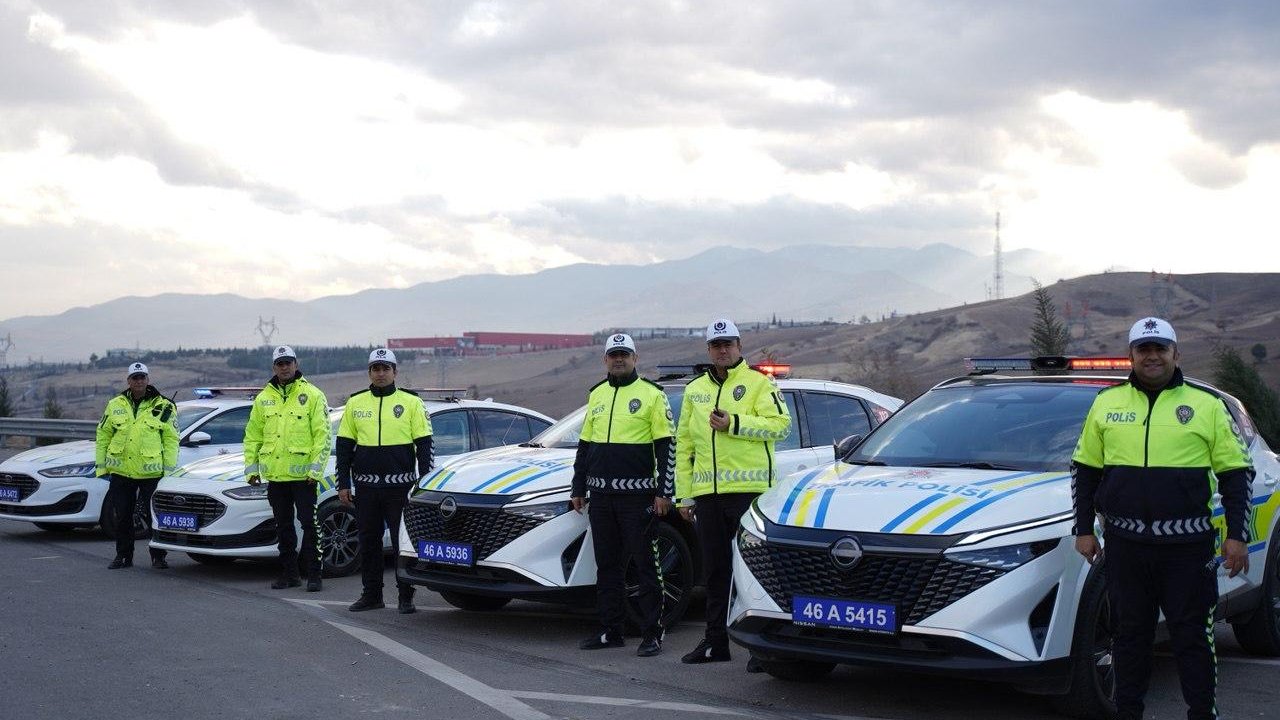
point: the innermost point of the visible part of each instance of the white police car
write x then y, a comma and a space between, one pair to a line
55, 488
494, 526
208, 510
942, 544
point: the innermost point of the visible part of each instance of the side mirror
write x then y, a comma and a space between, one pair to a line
197, 438
846, 446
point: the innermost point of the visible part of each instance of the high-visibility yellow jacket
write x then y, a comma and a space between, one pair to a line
137, 440
384, 438
739, 460
626, 445
287, 437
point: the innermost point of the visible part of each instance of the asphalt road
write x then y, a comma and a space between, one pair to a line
194, 642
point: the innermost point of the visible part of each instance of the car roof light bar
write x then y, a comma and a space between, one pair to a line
208, 393
446, 394
773, 369
986, 366
1101, 364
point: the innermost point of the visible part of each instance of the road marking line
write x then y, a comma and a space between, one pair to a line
625, 702
1240, 660
47, 557
499, 700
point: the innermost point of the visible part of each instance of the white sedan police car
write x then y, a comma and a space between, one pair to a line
207, 509
55, 488
942, 543
496, 525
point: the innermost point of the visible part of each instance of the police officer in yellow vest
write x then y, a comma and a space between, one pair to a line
729, 420
625, 460
384, 445
287, 442
1152, 453
137, 443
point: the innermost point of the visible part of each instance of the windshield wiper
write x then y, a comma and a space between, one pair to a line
974, 465
863, 462
531, 444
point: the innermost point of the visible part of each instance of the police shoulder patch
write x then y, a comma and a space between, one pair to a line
398, 410
739, 392
1185, 413
634, 406
302, 399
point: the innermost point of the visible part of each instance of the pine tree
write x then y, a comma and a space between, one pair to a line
1233, 375
52, 408
1048, 334
6, 407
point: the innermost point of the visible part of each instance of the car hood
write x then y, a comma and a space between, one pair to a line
65, 453
220, 468
503, 471
916, 501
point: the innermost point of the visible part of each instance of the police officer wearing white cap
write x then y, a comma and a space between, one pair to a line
626, 462
286, 442
384, 445
137, 443
730, 418
1151, 453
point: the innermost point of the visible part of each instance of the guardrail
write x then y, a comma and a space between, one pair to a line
48, 428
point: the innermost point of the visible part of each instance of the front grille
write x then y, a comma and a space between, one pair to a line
918, 586
25, 483
68, 505
262, 535
487, 531
202, 506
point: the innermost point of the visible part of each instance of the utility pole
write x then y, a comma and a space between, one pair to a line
999, 275
5, 346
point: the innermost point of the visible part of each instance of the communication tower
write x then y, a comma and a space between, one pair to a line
999, 275
267, 329
1161, 293
5, 346
1077, 322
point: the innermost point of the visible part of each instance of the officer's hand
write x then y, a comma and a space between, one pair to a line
719, 420
577, 503
661, 505
687, 513
344, 496
255, 479
1235, 557
1089, 547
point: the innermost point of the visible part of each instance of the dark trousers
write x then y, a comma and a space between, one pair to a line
286, 499
624, 530
378, 507
717, 523
1142, 580
123, 496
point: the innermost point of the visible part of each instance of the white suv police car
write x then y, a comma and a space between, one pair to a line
55, 488
207, 509
942, 543
496, 525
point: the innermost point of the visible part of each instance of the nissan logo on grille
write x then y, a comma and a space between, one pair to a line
846, 553
448, 508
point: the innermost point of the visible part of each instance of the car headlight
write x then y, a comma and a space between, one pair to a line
247, 492
751, 529
84, 469
1004, 558
543, 512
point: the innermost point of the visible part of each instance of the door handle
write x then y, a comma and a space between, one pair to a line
805, 467
1269, 480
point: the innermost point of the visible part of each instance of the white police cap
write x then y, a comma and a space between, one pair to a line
619, 341
382, 355
283, 352
1152, 329
722, 329
136, 369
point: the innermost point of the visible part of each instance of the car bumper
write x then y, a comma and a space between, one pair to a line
56, 500
236, 528
488, 581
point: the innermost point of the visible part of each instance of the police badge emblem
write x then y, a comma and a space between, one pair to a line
397, 411
302, 399
634, 405
1185, 413
739, 392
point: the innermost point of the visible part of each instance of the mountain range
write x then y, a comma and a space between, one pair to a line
803, 282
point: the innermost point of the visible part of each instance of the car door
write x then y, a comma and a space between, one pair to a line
450, 433
795, 453
830, 418
225, 431
1266, 476
496, 428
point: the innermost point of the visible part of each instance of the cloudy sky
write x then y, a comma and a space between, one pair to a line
311, 147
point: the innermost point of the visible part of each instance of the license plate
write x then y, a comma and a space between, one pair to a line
445, 552
846, 614
9, 493
187, 522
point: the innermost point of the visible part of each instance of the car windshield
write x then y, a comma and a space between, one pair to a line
1018, 426
188, 414
565, 432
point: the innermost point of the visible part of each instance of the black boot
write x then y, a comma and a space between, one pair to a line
287, 580
121, 561
158, 560
367, 602
314, 584
405, 604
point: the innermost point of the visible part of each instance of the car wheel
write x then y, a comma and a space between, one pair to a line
211, 559
339, 540
797, 670
676, 563
141, 521
480, 603
1260, 634
1093, 680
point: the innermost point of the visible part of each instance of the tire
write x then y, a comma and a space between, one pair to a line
141, 521
797, 670
57, 527
1093, 681
676, 562
1260, 634
475, 603
211, 559
339, 541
